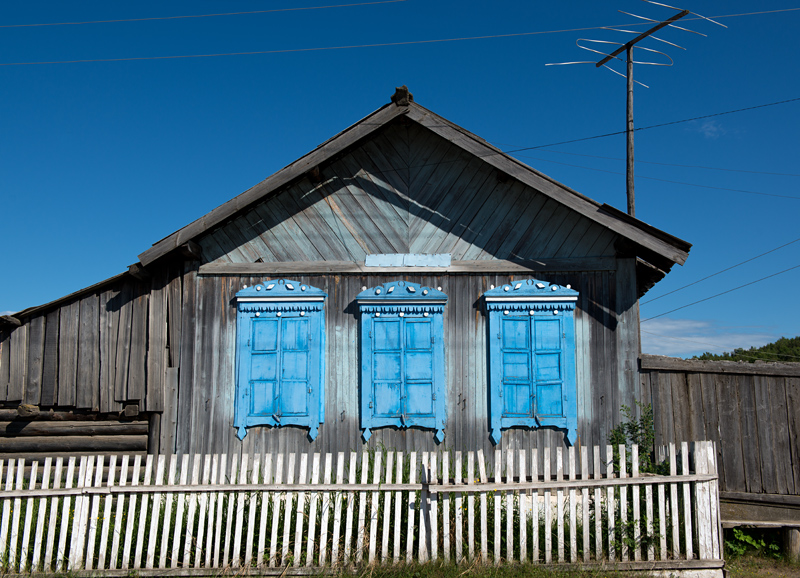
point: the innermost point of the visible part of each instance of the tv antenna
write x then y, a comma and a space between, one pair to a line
593, 45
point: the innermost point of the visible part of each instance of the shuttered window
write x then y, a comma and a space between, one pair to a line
532, 357
280, 356
402, 357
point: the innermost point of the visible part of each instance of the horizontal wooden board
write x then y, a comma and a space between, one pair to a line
77, 443
70, 428
660, 362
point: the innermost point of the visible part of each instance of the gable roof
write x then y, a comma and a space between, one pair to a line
657, 251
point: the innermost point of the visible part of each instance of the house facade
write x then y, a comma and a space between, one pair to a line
404, 285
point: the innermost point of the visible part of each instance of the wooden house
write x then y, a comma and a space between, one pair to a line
404, 283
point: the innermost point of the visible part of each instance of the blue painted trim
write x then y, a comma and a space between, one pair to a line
411, 356
528, 372
278, 306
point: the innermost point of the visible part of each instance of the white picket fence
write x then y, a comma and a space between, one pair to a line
175, 512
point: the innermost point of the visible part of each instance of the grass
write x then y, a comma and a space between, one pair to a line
441, 570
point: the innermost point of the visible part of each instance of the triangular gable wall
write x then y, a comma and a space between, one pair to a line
406, 190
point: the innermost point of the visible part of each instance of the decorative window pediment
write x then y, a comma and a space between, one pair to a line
280, 356
532, 356
402, 357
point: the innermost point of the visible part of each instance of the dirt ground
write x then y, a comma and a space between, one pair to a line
747, 566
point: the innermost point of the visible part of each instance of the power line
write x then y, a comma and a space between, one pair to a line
719, 294
664, 164
718, 272
662, 180
376, 45
715, 346
196, 15
655, 125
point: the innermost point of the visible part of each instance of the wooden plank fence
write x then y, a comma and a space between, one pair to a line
194, 514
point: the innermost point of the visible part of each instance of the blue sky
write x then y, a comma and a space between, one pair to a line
98, 160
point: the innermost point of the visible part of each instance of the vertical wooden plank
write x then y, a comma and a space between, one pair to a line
637, 515
337, 509
26, 532
373, 513
412, 459
5, 361
276, 510
548, 510
241, 499
18, 363
387, 508
229, 514
155, 511
94, 516
33, 380
398, 509
301, 504
50, 360
446, 507
687, 500
170, 499
287, 510
107, 506
662, 522
181, 505
61, 552
673, 502
523, 510
137, 372
701, 513
484, 508
716, 523
648, 497
126, 552
157, 350
623, 504
262, 526
326, 511
348, 534
459, 517
598, 505
471, 506
424, 511
88, 395
214, 509
16, 512
5, 521
312, 513
509, 506
535, 496
610, 502
251, 512
190, 517
122, 353
41, 529
362, 508
203, 507
560, 501
434, 511
148, 471
68, 354
573, 521
587, 548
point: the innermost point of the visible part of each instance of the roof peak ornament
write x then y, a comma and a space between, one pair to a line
402, 96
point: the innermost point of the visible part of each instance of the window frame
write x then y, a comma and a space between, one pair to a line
537, 302
283, 300
405, 303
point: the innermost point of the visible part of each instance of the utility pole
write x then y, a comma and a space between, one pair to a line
628, 48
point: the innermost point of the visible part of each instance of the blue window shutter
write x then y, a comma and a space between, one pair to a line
532, 357
280, 356
402, 357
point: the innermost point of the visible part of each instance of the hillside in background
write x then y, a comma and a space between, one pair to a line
784, 350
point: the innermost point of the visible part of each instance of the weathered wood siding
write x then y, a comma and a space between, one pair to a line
407, 190
751, 411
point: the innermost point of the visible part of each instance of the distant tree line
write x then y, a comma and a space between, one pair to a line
784, 350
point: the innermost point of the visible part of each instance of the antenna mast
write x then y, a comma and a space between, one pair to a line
628, 48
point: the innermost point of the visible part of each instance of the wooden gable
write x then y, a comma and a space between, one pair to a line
406, 189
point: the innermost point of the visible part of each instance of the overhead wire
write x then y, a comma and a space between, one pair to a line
375, 45
719, 272
185, 16
720, 294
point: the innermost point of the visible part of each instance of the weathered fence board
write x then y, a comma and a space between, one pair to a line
406, 508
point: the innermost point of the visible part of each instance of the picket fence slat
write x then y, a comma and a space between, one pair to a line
80, 515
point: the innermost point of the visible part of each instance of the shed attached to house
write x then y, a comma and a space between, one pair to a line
404, 283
